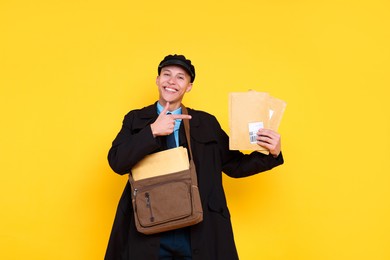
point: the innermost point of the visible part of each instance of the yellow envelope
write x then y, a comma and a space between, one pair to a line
276, 109
161, 163
249, 111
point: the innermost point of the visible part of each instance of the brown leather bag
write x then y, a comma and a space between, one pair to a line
169, 201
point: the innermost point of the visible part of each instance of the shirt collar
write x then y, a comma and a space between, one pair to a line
174, 112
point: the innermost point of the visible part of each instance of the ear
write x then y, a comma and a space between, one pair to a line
157, 78
189, 87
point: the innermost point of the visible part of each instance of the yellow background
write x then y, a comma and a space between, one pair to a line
70, 70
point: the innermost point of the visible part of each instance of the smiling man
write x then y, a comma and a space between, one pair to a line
147, 130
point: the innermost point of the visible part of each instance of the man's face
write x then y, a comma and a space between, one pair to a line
173, 82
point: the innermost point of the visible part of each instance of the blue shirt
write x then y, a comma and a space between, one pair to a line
177, 121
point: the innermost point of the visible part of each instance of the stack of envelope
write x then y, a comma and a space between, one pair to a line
249, 111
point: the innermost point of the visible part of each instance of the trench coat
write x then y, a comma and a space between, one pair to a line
212, 239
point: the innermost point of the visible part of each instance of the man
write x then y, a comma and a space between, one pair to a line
144, 131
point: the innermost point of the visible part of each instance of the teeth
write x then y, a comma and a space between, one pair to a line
171, 89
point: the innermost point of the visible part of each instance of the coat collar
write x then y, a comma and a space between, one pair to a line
145, 116
148, 112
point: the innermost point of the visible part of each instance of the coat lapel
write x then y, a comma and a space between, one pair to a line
145, 117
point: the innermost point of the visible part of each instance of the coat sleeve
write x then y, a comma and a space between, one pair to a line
131, 145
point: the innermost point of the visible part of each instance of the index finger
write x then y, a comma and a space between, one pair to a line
181, 116
165, 109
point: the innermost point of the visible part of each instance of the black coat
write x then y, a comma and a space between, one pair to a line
212, 239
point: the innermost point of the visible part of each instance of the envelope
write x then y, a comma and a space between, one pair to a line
249, 111
276, 108
161, 163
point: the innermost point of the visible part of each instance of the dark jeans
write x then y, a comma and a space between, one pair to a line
175, 245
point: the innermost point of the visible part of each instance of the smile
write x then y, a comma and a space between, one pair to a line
172, 90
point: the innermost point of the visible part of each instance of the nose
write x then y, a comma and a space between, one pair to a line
171, 80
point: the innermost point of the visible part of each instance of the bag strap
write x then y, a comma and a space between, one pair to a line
186, 122
187, 128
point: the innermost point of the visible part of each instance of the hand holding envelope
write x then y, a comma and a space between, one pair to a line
249, 112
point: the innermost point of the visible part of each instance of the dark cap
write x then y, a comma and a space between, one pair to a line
178, 60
